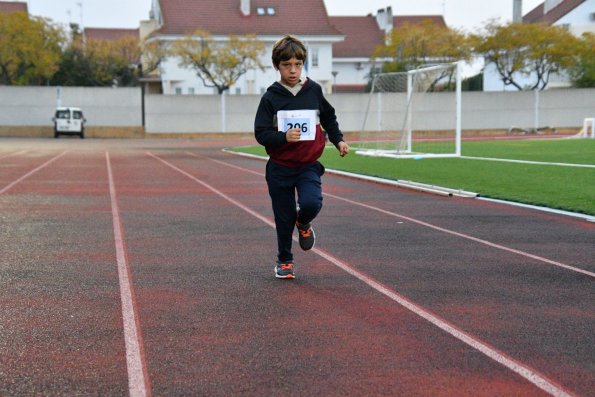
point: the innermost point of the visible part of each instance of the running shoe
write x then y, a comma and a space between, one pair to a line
284, 270
307, 238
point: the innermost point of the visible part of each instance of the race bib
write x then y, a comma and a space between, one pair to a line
305, 120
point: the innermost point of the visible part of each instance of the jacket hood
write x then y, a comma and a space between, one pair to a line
277, 88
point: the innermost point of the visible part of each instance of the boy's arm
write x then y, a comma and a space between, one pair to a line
264, 131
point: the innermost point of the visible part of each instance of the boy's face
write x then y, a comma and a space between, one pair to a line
291, 71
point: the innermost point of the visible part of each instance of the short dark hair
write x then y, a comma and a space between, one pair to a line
288, 47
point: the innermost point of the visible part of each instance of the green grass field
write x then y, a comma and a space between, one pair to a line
553, 186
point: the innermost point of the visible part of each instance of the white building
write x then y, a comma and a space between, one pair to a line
339, 48
578, 16
269, 20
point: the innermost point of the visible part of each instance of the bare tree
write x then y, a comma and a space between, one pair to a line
219, 64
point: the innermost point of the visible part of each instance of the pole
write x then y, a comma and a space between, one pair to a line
142, 103
334, 73
408, 126
536, 110
379, 112
459, 101
58, 96
223, 127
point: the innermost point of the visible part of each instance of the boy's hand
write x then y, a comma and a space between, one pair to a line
343, 148
293, 135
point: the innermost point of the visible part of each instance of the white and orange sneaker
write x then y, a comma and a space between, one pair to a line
284, 270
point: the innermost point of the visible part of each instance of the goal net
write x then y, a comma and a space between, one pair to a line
413, 114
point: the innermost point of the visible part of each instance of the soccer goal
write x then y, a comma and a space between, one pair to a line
413, 114
588, 130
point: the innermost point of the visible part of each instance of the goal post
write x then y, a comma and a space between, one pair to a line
588, 130
413, 114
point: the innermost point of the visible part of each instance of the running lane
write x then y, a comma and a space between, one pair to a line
60, 323
216, 321
443, 283
434, 250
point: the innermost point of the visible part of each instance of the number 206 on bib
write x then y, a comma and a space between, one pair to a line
304, 120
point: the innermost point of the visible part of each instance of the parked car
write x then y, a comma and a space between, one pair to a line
69, 121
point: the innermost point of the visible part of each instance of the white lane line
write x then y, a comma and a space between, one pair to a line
521, 369
138, 379
212, 189
5, 156
529, 162
466, 236
33, 171
438, 228
226, 164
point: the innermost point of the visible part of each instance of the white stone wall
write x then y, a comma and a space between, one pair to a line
35, 106
121, 107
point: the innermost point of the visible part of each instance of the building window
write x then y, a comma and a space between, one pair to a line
314, 56
190, 90
266, 11
178, 91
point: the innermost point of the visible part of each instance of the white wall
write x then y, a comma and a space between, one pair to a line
354, 71
35, 106
121, 107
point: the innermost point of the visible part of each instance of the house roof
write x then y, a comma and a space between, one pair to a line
109, 33
363, 35
12, 6
537, 14
224, 17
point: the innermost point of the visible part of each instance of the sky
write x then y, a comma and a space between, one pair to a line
468, 15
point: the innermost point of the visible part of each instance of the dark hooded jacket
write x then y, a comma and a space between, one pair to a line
301, 153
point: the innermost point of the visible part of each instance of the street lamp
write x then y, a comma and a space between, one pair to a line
334, 73
80, 4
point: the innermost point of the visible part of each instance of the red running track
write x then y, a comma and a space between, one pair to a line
145, 268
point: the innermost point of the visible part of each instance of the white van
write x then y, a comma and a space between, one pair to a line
69, 121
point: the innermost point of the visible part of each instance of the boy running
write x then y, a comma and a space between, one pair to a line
288, 124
